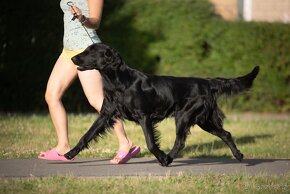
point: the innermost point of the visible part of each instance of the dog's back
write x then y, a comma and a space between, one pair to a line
161, 96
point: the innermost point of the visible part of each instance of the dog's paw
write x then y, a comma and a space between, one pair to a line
69, 155
239, 156
166, 161
72, 153
169, 160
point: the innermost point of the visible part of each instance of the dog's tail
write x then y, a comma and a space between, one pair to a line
222, 86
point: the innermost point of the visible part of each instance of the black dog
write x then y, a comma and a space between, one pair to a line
148, 99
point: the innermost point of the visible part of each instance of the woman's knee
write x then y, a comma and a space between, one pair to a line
52, 97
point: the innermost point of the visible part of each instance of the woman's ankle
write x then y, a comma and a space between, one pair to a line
62, 149
125, 145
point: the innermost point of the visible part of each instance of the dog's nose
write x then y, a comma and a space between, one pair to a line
75, 60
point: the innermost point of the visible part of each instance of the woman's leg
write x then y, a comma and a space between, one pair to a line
62, 75
91, 81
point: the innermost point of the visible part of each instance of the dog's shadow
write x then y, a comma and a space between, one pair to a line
220, 161
210, 157
219, 144
211, 146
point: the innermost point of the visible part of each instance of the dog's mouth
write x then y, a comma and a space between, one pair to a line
84, 68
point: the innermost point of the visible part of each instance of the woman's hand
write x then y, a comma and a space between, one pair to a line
77, 12
95, 13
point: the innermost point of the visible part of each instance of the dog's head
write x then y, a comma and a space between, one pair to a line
97, 56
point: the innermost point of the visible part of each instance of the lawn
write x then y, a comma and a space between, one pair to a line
235, 184
256, 135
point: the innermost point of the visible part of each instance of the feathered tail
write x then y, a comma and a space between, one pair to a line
222, 86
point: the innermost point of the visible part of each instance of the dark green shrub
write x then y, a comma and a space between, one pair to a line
181, 38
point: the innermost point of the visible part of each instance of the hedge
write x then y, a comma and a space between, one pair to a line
180, 38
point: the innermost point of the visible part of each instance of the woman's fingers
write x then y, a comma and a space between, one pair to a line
76, 10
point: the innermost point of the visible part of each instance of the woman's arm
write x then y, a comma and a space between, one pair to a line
95, 14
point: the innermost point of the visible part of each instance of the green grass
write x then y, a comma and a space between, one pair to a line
256, 135
179, 184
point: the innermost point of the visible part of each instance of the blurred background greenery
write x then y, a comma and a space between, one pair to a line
163, 37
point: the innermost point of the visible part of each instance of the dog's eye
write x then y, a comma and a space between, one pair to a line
108, 53
109, 59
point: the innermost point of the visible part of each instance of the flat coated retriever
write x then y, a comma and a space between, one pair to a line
148, 99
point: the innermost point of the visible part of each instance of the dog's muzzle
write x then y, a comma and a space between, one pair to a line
80, 68
85, 67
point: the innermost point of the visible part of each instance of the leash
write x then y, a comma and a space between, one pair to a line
71, 4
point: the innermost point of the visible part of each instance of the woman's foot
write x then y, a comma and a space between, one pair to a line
122, 157
52, 155
56, 153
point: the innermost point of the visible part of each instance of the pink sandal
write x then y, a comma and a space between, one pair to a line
52, 155
122, 157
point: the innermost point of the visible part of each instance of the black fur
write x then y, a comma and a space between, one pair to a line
148, 99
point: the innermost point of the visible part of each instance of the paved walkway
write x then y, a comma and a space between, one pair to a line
140, 167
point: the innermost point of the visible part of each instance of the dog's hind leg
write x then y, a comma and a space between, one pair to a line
184, 119
217, 129
183, 122
151, 138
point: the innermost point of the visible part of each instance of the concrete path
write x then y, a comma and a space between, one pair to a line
140, 167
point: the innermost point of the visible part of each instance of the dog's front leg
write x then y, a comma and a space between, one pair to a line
152, 141
103, 123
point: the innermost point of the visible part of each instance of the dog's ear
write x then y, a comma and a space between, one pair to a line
112, 57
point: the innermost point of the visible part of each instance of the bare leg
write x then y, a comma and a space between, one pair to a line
91, 81
124, 142
62, 75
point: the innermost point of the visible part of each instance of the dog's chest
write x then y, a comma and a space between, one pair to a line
128, 106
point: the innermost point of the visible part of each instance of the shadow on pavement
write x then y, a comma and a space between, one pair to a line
204, 161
